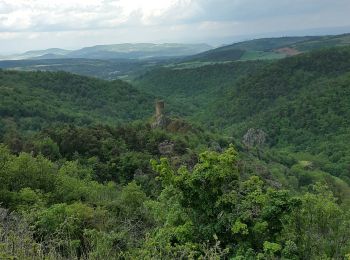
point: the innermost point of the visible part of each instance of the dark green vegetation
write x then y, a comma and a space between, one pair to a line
192, 89
37, 99
301, 102
265, 177
272, 48
213, 206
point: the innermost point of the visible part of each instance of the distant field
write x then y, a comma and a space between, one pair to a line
104, 69
194, 64
261, 55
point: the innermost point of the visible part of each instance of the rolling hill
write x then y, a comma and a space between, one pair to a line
117, 51
32, 100
78, 181
271, 48
192, 89
125, 61
300, 102
103, 69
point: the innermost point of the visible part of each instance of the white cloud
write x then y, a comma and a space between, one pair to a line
43, 15
32, 24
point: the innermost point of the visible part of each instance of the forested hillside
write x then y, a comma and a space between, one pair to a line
285, 78
192, 89
271, 48
32, 100
248, 160
301, 102
104, 193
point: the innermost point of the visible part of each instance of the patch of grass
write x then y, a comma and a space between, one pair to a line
261, 55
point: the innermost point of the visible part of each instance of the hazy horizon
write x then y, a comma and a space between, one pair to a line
214, 44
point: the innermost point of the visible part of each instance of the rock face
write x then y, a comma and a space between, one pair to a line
166, 148
4, 213
160, 122
254, 137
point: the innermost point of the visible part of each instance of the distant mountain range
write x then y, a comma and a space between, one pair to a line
127, 61
116, 51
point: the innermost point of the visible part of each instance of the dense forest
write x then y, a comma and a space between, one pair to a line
30, 101
192, 89
271, 48
102, 193
301, 102
251, 161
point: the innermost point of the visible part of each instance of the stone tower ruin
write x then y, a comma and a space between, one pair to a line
159, 108
160, 120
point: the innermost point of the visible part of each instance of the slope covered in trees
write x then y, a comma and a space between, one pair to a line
103, 192
32, 100
192, 89
83, 184
271, 48
212, 207
301, 102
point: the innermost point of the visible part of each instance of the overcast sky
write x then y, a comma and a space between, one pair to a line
71, 24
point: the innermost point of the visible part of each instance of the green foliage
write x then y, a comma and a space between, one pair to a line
24, 171
320, 228
302, 102
220, 54
190, 90
267, 48
47, 147
17, 239
209, 210
86, 191
213, 202
33, 100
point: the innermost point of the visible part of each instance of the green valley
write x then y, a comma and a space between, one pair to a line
246, 155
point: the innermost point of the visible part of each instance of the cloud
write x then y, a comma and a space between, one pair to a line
64, 15
60, 15
75, 23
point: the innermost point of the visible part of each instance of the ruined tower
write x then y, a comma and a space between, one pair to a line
160, 120
159, 108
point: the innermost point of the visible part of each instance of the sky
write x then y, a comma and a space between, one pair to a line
72, 24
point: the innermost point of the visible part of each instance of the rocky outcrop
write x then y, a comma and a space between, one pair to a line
254, 138
160, 122
166, 148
